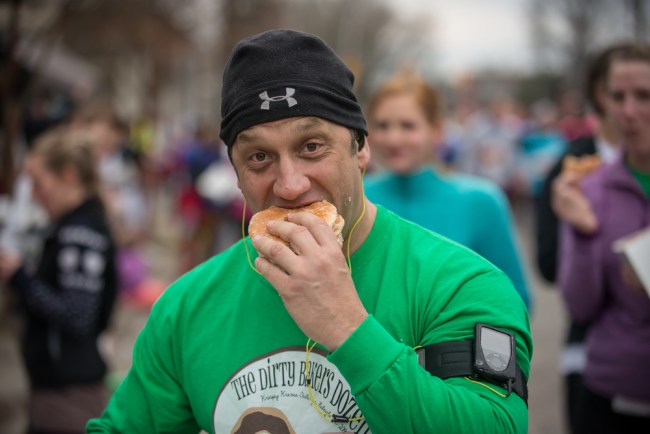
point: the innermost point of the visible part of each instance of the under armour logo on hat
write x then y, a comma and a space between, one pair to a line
266, 105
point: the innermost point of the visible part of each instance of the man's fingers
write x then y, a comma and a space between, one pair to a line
271, 272
319, 229
299, 237
304, 231
272, 249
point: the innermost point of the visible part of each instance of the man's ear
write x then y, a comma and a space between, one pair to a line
363, 154
236, 174
234, 167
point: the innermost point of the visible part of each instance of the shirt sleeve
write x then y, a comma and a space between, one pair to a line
497, 241
73, 300
151, 398
581, 274
397, 395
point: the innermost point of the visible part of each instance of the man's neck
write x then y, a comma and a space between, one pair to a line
363, 229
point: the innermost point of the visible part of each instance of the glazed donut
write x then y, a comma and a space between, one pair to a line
322, 209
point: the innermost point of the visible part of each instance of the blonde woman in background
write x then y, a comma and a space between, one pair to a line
67, 300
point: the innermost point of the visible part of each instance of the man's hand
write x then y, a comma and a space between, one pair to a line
9, 263
312, 278
571, 205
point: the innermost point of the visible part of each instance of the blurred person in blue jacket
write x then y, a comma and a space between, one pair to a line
405, 128
540, 148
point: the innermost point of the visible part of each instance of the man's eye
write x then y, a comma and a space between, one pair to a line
258, 157
312, 147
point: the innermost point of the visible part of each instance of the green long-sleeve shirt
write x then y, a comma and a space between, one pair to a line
221, 353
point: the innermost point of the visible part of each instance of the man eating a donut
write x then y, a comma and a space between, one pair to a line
336, 336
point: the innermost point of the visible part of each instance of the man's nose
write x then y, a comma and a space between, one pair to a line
291, 181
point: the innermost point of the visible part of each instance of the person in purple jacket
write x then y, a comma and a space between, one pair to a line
597, 286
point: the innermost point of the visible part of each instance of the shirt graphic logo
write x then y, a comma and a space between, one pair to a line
69, 258
269, 395
266, 104
93, 263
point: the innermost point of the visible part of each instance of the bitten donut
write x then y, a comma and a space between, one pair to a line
322, 209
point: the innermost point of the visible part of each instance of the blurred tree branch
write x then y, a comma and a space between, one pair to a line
16, 81
365, 33
566, 32
10, 123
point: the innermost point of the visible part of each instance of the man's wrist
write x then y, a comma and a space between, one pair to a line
344, 331
366, 354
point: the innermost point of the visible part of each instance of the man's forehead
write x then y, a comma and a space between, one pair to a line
295, 125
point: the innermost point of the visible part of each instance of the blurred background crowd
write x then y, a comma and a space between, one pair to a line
141, 79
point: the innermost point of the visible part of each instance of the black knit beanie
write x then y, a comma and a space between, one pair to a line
281, 74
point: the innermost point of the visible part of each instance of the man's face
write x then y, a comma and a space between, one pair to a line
628, 104
293, 162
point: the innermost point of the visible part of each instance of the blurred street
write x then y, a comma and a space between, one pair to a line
548, 322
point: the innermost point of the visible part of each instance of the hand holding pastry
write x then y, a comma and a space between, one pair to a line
567, 199
308, 269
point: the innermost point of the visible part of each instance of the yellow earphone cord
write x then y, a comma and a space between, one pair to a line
327, 416
310, 346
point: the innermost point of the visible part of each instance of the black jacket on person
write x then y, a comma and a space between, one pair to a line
546, 224
69, 299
